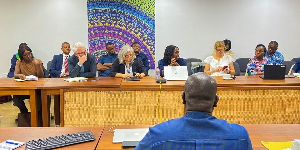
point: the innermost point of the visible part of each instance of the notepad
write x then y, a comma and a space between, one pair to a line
277, 145
76, 79
10, 144
31, 78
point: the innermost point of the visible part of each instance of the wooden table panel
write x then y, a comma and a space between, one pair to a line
9, 86
241, 101
54, 85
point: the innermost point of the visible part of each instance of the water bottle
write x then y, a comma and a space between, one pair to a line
157, 73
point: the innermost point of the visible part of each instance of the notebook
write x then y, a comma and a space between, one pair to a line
175, 72
274, 72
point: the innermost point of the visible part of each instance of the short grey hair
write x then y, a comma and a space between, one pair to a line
76, 46
124, 50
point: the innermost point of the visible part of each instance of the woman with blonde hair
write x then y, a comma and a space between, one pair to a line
127, 65
219, 64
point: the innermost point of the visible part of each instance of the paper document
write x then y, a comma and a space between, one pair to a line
76, 79
31, 77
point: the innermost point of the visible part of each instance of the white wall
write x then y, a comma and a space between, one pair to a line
192, 25
195, 25
43, 25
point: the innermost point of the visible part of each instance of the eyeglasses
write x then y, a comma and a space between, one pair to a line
126, 56
219, 50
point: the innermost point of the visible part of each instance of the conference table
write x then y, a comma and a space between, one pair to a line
9, 86
104, 135
115, 101
257, 133
243, 100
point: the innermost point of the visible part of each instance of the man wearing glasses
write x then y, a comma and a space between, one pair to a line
81, 64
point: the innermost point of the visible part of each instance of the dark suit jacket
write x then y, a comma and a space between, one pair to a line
13, 61
55, 69
137, 66
90, 67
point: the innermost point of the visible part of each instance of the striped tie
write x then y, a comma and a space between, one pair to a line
66, 64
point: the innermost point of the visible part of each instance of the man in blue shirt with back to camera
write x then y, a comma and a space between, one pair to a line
105, 61
296, 68
140, 55
274, 57
198, 129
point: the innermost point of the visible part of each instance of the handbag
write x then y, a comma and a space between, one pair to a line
24, 119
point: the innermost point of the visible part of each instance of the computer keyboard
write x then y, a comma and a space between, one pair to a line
60, 141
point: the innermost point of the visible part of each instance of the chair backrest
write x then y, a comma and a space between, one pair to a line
237, 69
242, 63
189, 61
288, 64
47, 72
158, 63
294, 59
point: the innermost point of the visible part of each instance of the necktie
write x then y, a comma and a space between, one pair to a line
66, 64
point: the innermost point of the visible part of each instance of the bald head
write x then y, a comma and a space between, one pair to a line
200, 92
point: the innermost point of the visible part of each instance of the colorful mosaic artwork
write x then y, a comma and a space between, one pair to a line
121, 22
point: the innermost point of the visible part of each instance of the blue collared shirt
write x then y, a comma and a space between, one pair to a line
274, 59
142, 57
196, 130
106, 59
296, 67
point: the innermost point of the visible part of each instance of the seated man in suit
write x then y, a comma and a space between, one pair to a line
81, 64
198, 129
13, 62
296, 68
105, 61
59, 65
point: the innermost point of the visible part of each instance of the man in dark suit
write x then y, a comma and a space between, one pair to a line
82, 64
59, 65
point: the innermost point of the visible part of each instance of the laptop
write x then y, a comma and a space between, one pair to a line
274, 72
175, 72
132, 135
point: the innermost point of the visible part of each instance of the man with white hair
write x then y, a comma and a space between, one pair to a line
81, 64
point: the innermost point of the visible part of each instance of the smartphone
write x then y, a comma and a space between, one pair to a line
96, 79
224, 67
